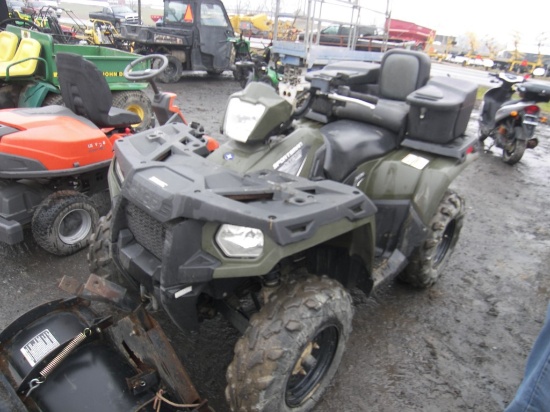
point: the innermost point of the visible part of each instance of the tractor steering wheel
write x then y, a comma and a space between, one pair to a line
147, 73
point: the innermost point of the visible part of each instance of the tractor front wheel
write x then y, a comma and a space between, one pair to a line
292, 348
53, 99
136, 102
64, 221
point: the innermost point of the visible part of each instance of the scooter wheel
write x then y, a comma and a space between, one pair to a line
64, 221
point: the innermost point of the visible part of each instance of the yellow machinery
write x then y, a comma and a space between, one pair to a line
259, 25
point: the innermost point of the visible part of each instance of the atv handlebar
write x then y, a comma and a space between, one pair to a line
350, 99
364, 97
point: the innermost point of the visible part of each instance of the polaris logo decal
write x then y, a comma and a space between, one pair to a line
228, 156
287, 156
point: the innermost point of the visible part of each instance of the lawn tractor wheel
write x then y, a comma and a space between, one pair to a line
428, 261
64, 221
53, 99
136, 102
291, 349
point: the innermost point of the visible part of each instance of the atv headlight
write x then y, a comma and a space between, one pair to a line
241, 118
240, 241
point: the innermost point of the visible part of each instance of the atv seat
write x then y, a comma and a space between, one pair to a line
8, 45
86, 92
350, 143
401, 73
24, 60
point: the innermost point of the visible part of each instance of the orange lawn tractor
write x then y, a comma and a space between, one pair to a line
54, 159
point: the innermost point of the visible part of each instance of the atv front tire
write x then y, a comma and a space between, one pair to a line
64, 221
291, 349
99, 256
136, 102
429, 260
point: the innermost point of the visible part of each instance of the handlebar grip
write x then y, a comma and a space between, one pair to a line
369, 98
345, 91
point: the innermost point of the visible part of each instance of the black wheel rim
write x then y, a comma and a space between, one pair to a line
312, 366
445, 244
170, 70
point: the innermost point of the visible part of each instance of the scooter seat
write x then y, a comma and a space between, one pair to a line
350, 143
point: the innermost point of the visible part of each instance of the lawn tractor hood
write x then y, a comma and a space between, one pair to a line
37, 141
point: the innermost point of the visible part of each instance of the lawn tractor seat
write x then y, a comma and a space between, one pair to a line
401, 72
8, 45
26, 58
86, 92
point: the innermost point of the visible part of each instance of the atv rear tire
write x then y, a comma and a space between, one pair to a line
100, 260
136, 102
291, 349
429, 260
173, 71
64, 221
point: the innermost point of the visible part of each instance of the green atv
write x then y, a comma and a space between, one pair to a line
274, 227
39, 85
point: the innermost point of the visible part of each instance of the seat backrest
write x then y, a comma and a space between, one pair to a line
83, 87
402, 72
8, 45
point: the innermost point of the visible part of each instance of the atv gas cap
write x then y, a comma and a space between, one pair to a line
255, 113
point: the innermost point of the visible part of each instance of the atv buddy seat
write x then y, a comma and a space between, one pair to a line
86, 92
380, 130
8, 45
401, 73
24, 61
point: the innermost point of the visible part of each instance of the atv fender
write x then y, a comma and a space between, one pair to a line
420, 178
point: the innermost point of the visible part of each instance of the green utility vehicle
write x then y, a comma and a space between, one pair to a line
29, 77
273, 228
193, 34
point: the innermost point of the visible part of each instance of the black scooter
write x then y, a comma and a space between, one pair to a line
511, 123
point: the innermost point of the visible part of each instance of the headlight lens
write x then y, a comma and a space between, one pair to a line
240, 119
240, 241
